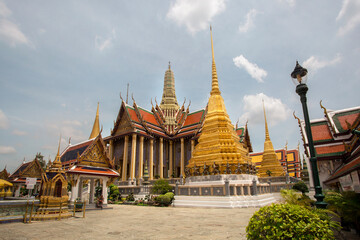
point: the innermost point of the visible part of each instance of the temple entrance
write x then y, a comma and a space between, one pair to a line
58, 188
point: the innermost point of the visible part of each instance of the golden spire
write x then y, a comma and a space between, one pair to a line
56, 165
218, 143
96, 128
270, 165
215, 84
267, 136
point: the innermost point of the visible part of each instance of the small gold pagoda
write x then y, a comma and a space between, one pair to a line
270, 165
219, 146
54, 195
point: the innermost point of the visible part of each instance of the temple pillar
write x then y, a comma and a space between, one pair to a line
151, 158
104, 189
171, 168
125, 158
192, 146
74, 189
92, 191
80, 188
182, 170
111, 149
141, 157
133, 157
161, 158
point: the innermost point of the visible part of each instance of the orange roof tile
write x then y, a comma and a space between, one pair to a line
132, 114
329, 150
321, 132
148, 117
347, 118
193, 118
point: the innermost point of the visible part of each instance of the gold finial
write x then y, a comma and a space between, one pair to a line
215, 84
298, 119
96, 128
267, 136
58, 152
169, 65
322, 106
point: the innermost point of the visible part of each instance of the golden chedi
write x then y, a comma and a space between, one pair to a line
270, 165
218, 145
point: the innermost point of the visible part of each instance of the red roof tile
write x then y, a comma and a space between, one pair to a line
193, 118
347, 118
328, 150
148, 117
132, 114
93, 171
321, 132
347, 168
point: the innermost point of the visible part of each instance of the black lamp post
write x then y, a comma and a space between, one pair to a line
298, 74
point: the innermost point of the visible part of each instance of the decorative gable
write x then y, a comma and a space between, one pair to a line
95, 155
33, 170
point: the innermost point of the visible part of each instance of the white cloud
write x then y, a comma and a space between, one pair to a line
276, 111
102, 43
4, 10
7, 150
290, 2
313, 63
252, 68
249, 22
19, 133
9, 31
196, 15
4, 121
349, 15
74, 123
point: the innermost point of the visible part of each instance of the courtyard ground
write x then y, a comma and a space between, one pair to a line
139, 222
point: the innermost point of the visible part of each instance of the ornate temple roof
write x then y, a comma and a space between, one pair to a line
331, 134
31, 169
334, 139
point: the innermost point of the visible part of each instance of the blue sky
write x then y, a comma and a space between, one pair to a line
59, 58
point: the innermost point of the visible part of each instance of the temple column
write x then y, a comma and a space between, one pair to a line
141, 157
133, 157
80, 188
125, 158
92, 191
104, 189
192, 146
151, 158
74, 189
161, 158
171, 170
111, 149
182, 167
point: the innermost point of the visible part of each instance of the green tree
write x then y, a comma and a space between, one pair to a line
161, 186
41, 160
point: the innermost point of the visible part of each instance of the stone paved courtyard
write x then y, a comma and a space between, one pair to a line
136, 222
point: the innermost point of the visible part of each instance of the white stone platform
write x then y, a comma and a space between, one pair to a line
224, 201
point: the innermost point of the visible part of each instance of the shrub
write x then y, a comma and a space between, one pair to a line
130, 197
114, 194
163, 200
346, 204
288, 221
170, 195
301, 186
161, 186
292, 196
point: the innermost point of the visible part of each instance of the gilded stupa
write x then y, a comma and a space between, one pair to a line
219, 146
270, 165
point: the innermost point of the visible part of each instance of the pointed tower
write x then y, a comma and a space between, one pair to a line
96, 128
56, 165
270, 165
218, 143
169, 104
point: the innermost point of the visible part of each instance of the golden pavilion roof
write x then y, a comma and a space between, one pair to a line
218, 142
